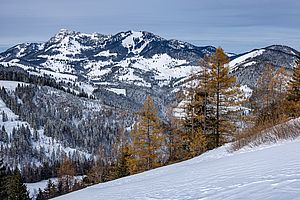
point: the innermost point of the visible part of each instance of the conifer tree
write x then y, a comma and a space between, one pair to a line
41, 195
268, 96
66, 173
51, 190
195, 121
214, 104
3, 134
261, 97
147, 139
122, 167
294, 91
3, 181
224, 97
119, 167
195, 116
17, 189
95, 174
278, 87
175, 138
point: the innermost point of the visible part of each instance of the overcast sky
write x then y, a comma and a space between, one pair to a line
235, 25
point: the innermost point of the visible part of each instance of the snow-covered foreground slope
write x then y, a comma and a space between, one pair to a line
268, 172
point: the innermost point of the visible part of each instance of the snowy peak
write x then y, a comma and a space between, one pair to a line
63, 33
283, 49
71, 43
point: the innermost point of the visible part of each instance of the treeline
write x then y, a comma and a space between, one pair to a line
18, 74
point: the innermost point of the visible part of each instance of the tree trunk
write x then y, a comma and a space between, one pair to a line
218, 109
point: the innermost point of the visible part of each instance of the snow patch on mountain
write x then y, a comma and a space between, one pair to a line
106, 53
242, 59
58, 75
117, 91
98, 71
10, 114
130, 40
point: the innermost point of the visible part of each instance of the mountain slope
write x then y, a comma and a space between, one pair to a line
42, 124
248, 67
266, 172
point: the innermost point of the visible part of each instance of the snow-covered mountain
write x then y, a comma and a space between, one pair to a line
129, 64
139, 57
248, 66
135, 58
263, 172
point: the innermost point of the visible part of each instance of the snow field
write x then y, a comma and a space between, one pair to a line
265, 172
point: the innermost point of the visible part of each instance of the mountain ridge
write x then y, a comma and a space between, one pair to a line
133, 62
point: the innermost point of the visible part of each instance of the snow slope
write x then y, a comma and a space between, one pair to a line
243, 59
266, 172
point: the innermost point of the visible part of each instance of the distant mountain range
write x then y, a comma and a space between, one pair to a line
138, 58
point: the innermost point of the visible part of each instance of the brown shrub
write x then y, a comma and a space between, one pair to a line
268, 133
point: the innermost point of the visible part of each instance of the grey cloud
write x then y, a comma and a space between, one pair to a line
237, 25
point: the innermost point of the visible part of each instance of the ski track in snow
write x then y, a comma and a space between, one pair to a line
265, 172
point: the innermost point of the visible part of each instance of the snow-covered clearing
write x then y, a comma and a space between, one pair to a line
106, 54
11, 85
264, 172
33, 188
117, 91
